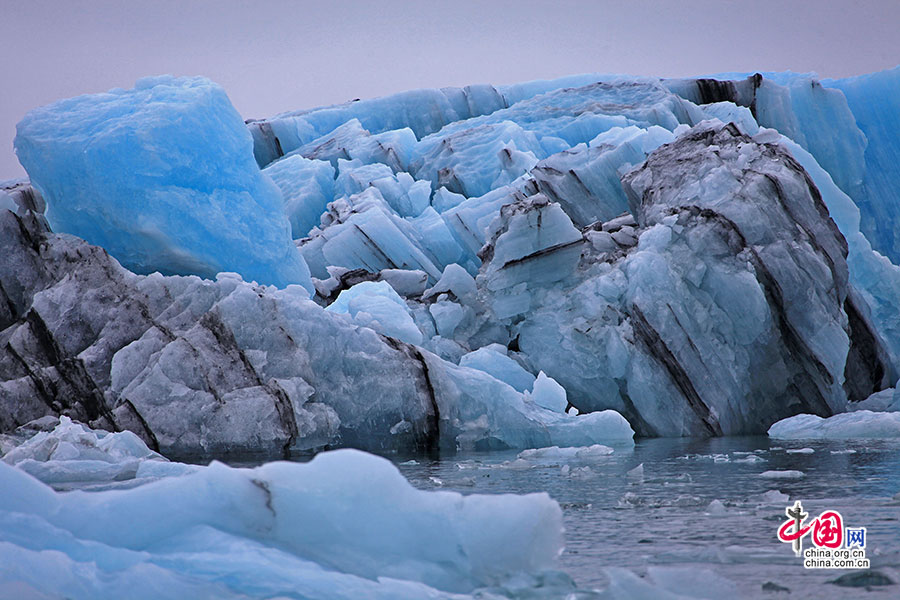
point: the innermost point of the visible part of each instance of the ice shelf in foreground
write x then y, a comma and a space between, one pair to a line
163, 177
861, 424
345, 525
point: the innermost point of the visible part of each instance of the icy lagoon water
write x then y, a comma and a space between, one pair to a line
617, 517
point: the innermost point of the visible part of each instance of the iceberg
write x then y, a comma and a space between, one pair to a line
601, 242
345, 525
211, 368
162, 176
861, 424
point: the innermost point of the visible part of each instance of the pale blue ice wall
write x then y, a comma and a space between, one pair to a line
163, 177
875, 102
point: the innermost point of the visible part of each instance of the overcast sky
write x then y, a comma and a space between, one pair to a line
280, 55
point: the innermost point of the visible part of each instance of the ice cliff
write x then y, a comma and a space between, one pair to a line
469, 267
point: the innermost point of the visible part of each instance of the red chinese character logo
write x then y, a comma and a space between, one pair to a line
828, 530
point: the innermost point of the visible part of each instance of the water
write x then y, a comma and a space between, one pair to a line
614, 518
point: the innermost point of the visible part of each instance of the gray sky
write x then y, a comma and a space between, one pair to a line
280, 55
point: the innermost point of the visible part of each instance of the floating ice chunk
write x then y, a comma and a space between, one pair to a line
770, 497
752, 458
494, 360
332, 528
668, 583
548, 394
376, 305
800, 451
636, 474
307, 187
862, 424
787, 474
585, 453
73, 453
717, 509
162, 176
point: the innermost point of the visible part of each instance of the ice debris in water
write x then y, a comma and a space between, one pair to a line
345, 525
163, 177
862, 424
555, 453
668, 583
770, 497
72, 453
717, 508
785, 474
799, 451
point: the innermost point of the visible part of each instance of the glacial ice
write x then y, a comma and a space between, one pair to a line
307, 186
215, 367
555, 453
649, 245
73, 454
162, 176
376, 305
345, 525
861, 424
786, 474
494, 360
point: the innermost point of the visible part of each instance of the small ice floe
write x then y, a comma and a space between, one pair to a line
520, 464
800, 451
788, 474
717, 508
555, 453
750, 458
668, 582
636, 475
770, 497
